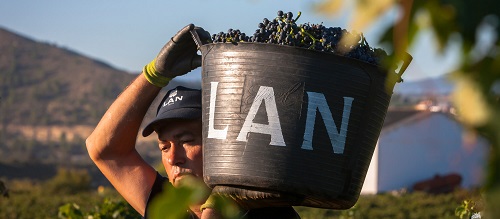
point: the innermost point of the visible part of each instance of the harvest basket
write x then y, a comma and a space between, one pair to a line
290, 126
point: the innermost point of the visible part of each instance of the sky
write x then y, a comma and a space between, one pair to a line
128, 34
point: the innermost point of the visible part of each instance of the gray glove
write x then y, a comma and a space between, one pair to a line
178, 57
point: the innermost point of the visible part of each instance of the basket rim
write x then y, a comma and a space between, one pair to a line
381, 69
292, 47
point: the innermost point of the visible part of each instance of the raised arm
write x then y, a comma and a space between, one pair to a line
112, 143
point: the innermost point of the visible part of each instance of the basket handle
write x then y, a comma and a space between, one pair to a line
407, 58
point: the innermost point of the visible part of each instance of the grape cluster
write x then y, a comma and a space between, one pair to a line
284, 30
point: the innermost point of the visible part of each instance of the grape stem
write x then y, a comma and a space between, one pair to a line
363, 40
310, 35
284, 20
298, 16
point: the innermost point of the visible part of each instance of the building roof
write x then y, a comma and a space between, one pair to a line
396, 117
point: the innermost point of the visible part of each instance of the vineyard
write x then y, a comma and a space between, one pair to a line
69, 195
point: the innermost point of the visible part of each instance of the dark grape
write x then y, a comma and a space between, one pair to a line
280, 13
289, 16
284, 30
265, 21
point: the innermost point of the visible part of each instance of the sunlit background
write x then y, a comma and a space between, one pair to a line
128, 34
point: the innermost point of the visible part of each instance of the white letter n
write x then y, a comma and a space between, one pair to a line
317, 102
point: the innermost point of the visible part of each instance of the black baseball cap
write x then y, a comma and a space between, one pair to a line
179, 103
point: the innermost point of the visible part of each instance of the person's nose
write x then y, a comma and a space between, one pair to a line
176, 155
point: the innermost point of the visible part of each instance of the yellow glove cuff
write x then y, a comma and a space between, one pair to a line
226, 206
211, 202
154, 77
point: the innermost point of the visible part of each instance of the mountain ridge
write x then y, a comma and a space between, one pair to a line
48, 93
41, 84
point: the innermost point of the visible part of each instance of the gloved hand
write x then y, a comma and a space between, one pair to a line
219, 206
177, 57
247, 199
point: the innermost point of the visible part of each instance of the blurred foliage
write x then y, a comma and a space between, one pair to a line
175, 201
66, 195
107, 209
70, 210
452, 22
29, 200
397, 205
468, 208
68, 182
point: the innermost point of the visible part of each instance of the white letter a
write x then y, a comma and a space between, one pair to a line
265, 94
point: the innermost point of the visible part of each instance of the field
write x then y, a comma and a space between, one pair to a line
70, 195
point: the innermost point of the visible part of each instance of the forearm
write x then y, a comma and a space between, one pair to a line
116, 133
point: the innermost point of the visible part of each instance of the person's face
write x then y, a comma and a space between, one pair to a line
180, 143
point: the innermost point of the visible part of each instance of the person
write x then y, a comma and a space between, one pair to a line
178, 125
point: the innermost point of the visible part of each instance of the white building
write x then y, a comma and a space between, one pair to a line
417, 145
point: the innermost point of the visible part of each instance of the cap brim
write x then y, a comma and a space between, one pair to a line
181, 113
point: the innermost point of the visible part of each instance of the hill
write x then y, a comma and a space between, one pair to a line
45, 85
42, 84
52, 98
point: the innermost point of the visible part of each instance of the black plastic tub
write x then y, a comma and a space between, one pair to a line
290, 126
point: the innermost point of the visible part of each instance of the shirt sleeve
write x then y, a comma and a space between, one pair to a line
155, 190
272, 212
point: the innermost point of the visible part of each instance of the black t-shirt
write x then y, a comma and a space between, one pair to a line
261, 213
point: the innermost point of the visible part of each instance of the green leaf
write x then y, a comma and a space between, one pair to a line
174, 202
70, 211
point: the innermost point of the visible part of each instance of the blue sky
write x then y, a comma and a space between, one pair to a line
128, 34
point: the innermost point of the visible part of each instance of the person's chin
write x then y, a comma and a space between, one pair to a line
183, 179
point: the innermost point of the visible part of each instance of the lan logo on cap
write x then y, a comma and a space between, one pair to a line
172, 98
173, 93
